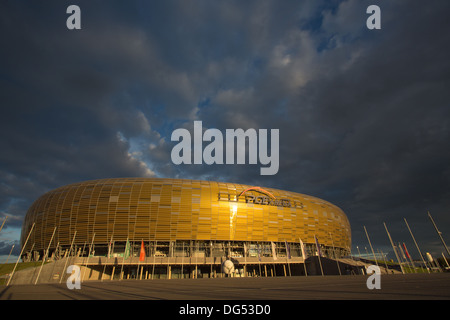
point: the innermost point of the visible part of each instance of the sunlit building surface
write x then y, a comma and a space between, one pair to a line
174, 228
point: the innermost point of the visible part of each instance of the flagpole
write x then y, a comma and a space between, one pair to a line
393, 248
439, 233
139, 263
56, 251
303, 255
145, 262
403, 255
319, 254
168, 269
409, 256
110, 249
445, 259
417, 246
384, 259
10, 253
31, 250
107, 258
3, 223
245, 259
259, 259
89, 253
82, 251
196, 250
155, 246
182, 260
65, 264
374, 258
337, 262
26, 241
274, 253
123, 259
288, 256
45, 256
359, 253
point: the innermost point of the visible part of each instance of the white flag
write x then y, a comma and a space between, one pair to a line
274, 254
302, 246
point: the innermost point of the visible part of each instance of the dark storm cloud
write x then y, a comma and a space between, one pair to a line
389, 118
64, 111
6, 248
364, 123
363, 115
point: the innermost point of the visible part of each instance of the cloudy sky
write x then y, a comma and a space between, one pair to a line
363, 115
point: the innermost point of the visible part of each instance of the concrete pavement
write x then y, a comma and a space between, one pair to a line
407, 287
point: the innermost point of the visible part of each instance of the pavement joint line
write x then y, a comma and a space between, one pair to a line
434, 286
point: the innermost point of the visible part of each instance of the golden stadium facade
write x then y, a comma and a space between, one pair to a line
184, 228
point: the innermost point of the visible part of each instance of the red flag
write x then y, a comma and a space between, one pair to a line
142, 255
406, 251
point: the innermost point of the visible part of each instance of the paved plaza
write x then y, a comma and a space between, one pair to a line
393, 287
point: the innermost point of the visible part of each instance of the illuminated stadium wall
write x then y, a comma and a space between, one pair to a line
175, 218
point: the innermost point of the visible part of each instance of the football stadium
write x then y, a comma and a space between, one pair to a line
152, 228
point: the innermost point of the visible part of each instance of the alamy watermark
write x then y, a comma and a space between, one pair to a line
213, 153
374, 20
374, 281
74, 280
73, 22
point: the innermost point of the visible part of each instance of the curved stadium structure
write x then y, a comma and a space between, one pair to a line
184, 228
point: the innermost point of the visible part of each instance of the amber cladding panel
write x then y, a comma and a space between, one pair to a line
176, 209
